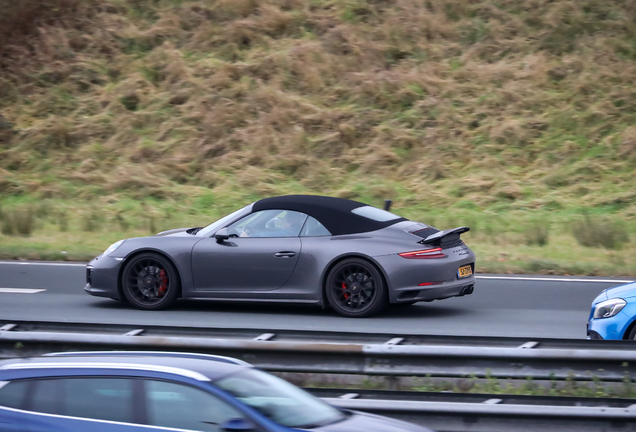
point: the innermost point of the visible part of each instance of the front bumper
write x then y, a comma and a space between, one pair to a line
612, 328
592, 335
102, 277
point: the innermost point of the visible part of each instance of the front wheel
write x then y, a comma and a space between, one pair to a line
150, 282
356, 289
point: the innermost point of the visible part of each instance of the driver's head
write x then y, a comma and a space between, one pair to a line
292, 219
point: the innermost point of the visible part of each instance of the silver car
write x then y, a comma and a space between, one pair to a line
293, 249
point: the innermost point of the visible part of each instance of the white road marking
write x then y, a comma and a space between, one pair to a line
21, 290
60, 264
553, 279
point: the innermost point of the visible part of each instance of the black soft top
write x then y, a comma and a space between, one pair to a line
334, 213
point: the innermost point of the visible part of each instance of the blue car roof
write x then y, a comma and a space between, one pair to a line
200, 367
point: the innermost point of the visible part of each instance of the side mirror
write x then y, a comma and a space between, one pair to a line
221, 235
238, 425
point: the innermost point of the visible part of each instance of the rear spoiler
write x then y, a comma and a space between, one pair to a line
447, 237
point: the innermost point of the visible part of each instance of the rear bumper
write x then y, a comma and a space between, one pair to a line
412, 280
457, 289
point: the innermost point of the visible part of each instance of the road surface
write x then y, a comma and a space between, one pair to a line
502, 305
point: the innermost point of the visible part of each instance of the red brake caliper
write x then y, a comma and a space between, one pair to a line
344, 287
164, 283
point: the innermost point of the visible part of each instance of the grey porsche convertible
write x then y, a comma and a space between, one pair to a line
294, 249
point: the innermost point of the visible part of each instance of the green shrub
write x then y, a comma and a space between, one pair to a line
537, 234
600, 231
6, 224
18, 222
92, 220
62, 221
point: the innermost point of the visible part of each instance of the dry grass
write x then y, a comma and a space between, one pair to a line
492, 105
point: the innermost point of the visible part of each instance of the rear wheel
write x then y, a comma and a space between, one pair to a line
150, 282
355, 288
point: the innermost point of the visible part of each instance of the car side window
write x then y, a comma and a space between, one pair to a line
183, 407
12, 393
313, 228
91, 398
44, 399
269, 223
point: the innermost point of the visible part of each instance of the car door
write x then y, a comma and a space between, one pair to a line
260, 254
184, 407
80, 404
12, 399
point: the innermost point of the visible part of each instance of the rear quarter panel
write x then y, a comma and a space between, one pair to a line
320, 254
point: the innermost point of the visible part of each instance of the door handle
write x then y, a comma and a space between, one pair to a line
285, 254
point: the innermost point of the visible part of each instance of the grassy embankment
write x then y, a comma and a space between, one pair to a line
515, 117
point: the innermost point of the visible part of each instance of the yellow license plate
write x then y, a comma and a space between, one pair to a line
464, 271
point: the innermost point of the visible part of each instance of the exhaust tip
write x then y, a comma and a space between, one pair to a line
466, 290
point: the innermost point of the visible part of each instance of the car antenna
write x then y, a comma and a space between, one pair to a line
387, 204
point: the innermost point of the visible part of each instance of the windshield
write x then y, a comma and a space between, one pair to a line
214, 226
279, 400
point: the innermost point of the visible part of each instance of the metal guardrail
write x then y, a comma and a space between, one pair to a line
317, 336
472, 417
321, 352
492, 413
388, 355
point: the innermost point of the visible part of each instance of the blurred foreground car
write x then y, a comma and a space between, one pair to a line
146, 391
298, 248
613, 314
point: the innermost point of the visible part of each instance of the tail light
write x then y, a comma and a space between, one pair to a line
424, 254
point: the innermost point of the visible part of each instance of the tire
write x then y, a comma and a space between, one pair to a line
355, 288
632, 334
150, 282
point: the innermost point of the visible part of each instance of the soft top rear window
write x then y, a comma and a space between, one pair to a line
375, 214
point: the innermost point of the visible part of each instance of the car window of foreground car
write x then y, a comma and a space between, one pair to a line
279, 400
12, 394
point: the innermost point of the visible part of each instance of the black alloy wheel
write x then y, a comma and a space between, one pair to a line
355, 288
150, 282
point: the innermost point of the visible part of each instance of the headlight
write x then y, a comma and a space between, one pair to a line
113, 247
609, 308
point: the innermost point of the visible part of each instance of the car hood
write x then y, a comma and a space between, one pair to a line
179, 232
623, 291
364, 422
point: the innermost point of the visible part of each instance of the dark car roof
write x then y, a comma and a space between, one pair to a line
334, 213
210, 368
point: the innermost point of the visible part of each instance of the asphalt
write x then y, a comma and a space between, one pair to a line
502, 305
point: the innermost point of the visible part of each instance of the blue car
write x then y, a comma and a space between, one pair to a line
149, 391
613, 315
